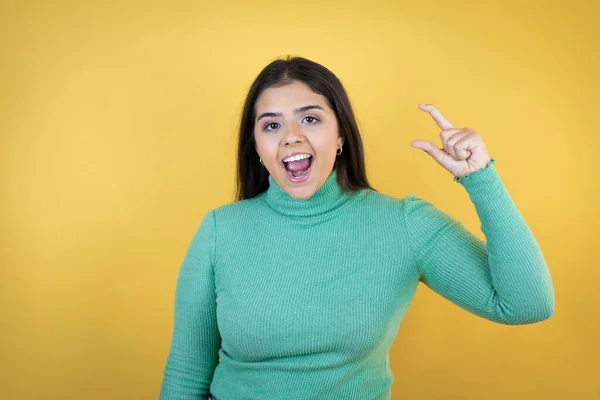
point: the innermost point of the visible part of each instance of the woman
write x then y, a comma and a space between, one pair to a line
297, 290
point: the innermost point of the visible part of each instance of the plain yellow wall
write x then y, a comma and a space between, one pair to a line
118, 132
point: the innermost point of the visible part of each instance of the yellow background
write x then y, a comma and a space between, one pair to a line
118, 131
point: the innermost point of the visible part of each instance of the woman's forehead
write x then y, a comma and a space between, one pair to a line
288, 98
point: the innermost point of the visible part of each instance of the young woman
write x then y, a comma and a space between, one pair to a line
297, 289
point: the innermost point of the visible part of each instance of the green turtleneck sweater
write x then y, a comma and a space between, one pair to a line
279, 298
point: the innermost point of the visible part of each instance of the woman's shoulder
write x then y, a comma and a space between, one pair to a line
237, 207
371, 196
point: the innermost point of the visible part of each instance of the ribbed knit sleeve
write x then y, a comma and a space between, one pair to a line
193, 354
504, 279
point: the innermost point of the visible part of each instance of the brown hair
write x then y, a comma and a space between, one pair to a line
252, 177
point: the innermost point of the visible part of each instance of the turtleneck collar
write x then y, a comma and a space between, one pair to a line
326, 198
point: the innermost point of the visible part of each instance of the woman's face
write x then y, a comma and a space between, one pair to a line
294, 120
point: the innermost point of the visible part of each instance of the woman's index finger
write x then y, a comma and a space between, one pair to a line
437, 116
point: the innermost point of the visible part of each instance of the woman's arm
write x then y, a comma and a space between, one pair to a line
505, 279
193, 355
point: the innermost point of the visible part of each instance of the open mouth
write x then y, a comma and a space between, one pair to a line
298, 170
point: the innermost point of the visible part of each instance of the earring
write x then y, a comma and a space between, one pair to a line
260, 159
340, 149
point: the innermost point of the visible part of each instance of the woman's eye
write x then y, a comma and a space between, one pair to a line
316, 119
269, 124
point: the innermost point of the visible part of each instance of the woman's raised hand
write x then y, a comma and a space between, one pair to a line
462, 151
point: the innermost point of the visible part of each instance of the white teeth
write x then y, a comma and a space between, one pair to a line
296, 157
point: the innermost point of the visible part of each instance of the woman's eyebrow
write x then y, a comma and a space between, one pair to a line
296, 111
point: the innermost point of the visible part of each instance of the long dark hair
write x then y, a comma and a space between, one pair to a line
252, 177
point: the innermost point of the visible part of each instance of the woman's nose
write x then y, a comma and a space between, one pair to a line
293, 135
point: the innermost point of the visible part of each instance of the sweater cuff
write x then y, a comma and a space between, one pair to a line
481, 181
482, 174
